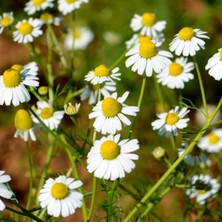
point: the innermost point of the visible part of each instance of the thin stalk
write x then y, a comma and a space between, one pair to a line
118, 60
201, 87
93, 199
174, 165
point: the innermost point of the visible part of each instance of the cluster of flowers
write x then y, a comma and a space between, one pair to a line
110, 157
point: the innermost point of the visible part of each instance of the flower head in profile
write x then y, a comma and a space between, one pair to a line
203, 188
49, 18
6, 19
145, 57
101, 74
4, 191
176, 73
13, 82
169, 122
111, 158
27, 30
79, 38
71, 109
91, 91
212, 142
32, 6
214, 65
188, 41
67, 6
48, 115
110, 113
60, 197
147, 24
24, 125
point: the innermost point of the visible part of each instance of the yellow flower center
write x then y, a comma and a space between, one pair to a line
186, 33
70, 1
101, 71
110, 107
143, 38
59, 190
147, 49
46, 17
43, 90
25, 28
11, 78
77, 34
71, 110
17, 67
172, 118
23, 120
175, 69
213, 138
37, 3
6, 21
109, 150
148, 19
220, 54
47, 112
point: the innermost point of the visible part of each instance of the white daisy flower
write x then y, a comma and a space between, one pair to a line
4, 191
203, 188
110, 113
27, 30
71, 109
6, 19
176, 73
214, 65
102, 74
13, 82
212, 142
159, 152
60, 196
48, 18
188, 41
147, 24
170, 122
145, 57
24, 125
46, 112
91, 91
32, 6
110, 158
137, 39
67, 6
80, 37
195, 157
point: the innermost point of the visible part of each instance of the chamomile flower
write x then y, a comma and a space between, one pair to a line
214, 65
176, 73
102, 74
110, 158
147, 24
195, 157
170, 122
203, 188
12, 85
112, 38
24, 125
48, 18
27, 30
71, 109
60, 197
6, 19
78, 39
110, 113
91, 91
67, 6
32, 6
188, 41
48, 115
212, 142
4, 191
146, 58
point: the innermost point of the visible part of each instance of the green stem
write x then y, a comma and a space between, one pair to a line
201, 87
93, 199
118, 60
174, 165
30, 175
